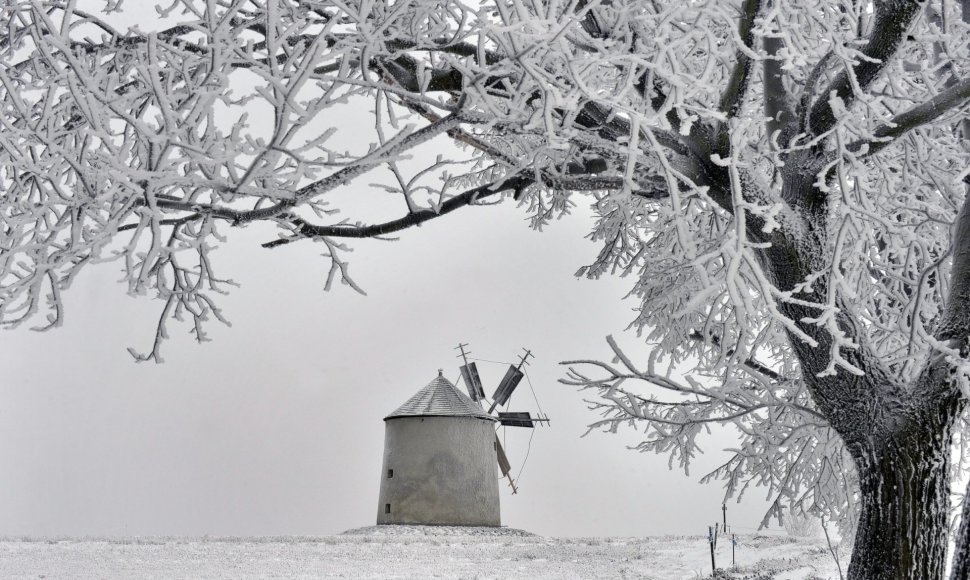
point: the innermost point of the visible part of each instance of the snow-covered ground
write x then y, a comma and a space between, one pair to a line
407, 552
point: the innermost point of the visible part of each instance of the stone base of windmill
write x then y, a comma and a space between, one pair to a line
432, 530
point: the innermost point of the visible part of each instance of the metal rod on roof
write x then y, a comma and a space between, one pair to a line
469, 374
463, 355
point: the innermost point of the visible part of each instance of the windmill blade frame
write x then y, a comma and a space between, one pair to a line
473, 382
516, 419
503, 463
511, 380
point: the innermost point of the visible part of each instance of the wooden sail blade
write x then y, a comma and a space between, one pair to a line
503, 463
503, 460
469, 374
505, 388
516, 419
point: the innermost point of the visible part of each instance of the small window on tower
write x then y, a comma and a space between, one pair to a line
390, 473
387, 508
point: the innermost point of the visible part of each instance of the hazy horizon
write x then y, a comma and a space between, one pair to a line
274, 427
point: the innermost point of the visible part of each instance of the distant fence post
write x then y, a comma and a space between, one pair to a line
711, 538
734, 542
724, 516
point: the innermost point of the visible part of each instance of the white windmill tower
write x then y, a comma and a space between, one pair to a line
441, 449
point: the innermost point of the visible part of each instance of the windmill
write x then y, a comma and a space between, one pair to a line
513, 376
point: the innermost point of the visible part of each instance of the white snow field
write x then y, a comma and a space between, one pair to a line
410, 552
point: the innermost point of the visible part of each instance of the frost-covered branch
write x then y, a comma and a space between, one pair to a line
784, 443
740, 75
945, 102
782, 181
777, 106
304, 229
892, 20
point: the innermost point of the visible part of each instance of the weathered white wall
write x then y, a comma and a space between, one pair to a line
444, 472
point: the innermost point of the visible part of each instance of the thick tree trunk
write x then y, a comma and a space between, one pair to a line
905, 496
961, 552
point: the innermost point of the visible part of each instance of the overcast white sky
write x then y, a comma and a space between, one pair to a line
275, 427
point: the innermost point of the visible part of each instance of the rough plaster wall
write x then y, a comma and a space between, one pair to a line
444, 472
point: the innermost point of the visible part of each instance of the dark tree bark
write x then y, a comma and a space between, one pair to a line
961, 553
899, 435
904, 476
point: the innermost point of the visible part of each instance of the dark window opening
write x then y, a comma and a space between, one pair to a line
390, 473
387, 508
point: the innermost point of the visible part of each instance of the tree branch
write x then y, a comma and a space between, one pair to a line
738, 82
961, 553
955, 321
892, 20
777, 107
922, 114
308, 230
808, 91
595, 116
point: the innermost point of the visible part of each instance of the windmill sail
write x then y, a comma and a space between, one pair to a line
508, 384
503, 464
521, 419
469, 374
516, 419
503, 459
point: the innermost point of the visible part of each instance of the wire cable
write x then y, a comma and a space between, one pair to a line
526, 458
498, 362
528, 379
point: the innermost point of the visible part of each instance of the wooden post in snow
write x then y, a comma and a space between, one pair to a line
710, 540
734, 542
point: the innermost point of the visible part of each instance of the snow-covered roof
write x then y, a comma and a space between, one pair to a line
440, 399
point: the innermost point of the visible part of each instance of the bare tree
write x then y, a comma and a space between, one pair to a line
785, 180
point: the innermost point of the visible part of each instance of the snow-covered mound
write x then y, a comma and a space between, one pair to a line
402, 530
416, 553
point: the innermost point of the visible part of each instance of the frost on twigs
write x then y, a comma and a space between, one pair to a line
793, 275
779, 180
784, 443
134, 145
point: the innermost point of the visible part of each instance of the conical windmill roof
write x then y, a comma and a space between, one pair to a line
440, 399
